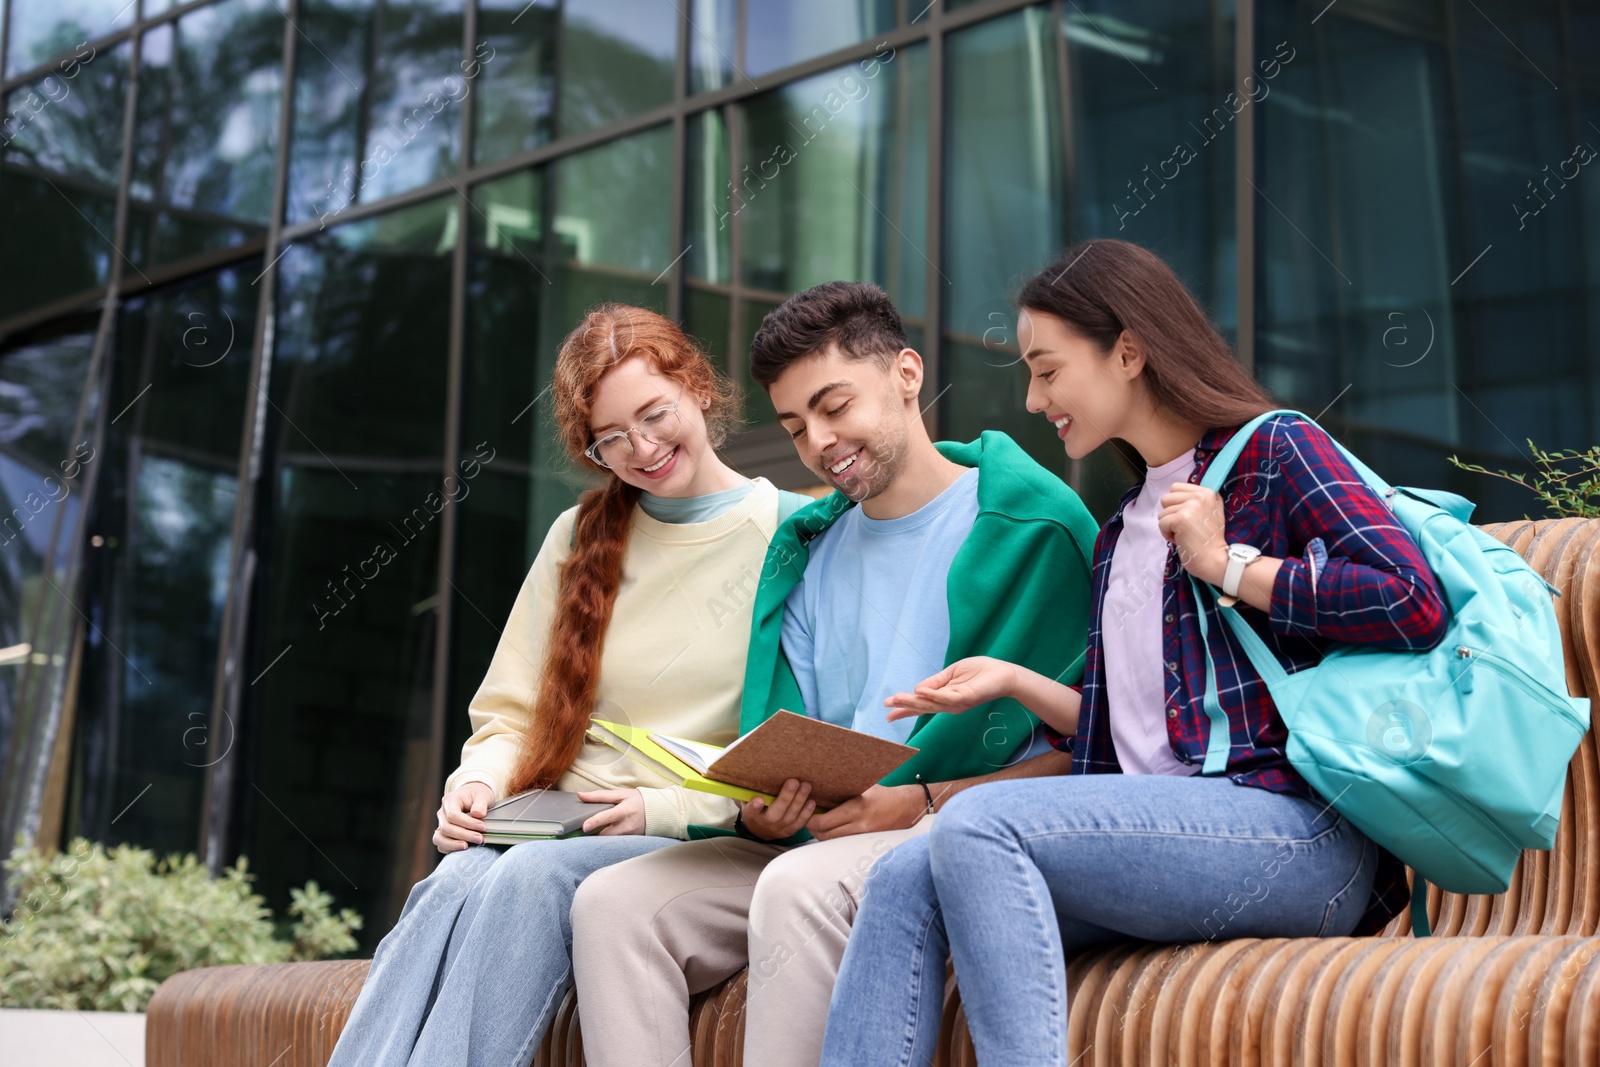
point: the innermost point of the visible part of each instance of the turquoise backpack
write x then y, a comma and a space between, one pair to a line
1453, 759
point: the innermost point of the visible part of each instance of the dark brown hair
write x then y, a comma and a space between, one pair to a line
587, 589
1102, 287
856, 316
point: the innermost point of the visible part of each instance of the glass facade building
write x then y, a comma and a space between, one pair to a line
281, 284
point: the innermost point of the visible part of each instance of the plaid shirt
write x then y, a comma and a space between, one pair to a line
1350, 574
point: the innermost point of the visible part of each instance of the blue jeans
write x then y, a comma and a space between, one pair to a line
1015, 874
474, 970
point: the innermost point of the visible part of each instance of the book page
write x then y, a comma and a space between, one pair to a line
696, 754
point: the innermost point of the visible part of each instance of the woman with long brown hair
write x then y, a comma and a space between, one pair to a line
637, 609
1163, 830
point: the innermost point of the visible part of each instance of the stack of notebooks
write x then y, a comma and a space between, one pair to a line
839, 764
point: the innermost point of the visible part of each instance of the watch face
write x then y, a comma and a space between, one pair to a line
1243, 552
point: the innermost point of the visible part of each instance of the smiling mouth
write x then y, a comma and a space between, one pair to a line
1062, 423
661, 462
844, 465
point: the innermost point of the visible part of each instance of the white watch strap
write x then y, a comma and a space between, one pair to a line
1232, 576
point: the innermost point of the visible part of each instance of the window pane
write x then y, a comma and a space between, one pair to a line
43, 30
611, 226
705, 318
779, 33
349, 564
708, 225
1423, 270
831, 187
614, 59
516, 106
156, 565
711, 44
500, 394
505, 266
618, 58
61, 161
758, 409
378, 93
1154, 119
42, 467
1141, 76
1372, 143
1004, 215
206, 141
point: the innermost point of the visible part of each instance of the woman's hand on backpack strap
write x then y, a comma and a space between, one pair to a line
964, 684
626, 818
461, 815
1193, 519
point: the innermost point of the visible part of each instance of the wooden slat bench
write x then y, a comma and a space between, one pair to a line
1507, 979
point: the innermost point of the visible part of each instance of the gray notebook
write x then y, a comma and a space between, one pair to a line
539, 814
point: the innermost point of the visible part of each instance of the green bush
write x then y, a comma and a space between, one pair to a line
1553, 480
98, 930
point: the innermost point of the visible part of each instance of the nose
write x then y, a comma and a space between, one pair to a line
821, 438
645, 451
1036, 396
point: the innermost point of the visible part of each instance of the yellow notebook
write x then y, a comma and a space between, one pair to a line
637, 745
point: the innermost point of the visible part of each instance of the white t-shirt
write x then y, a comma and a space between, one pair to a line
1131, 628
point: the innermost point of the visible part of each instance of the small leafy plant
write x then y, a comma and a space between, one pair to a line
98, 930
1567, 482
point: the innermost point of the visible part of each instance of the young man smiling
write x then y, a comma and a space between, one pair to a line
925, 555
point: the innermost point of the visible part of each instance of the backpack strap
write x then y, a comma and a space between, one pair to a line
1220, 742
1217, 471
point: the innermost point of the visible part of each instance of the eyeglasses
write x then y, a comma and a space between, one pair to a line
660, 427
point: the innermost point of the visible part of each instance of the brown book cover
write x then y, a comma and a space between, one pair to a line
840, 764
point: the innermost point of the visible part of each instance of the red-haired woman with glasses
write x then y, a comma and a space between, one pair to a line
637, 609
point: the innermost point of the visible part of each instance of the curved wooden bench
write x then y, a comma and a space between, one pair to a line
1512, 978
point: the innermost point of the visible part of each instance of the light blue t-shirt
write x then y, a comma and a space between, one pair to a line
870, 617
685, 509
682, 510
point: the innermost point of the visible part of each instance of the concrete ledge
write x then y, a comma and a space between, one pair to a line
72, 1038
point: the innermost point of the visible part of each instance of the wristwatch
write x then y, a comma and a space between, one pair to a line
1239, 556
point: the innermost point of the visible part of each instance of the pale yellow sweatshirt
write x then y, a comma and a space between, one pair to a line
673, 660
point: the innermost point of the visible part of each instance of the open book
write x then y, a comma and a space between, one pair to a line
538, 815
839, 763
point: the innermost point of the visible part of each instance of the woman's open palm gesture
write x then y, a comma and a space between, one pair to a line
964, 684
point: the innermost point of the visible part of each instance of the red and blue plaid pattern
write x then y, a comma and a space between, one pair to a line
1350, 574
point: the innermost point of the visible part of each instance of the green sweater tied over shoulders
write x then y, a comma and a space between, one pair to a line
1018, 590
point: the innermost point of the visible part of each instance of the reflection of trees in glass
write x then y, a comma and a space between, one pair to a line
363, 336
57, 182
781, 32
207, 126
377, 104
616, 60
43, 30
73, 126
517, 91
615, 63
336, 735
157, 560
40, 387
827, 192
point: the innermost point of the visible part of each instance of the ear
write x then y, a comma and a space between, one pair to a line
907, 372
1129, 353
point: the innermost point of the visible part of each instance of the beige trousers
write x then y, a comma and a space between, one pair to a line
650, 932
